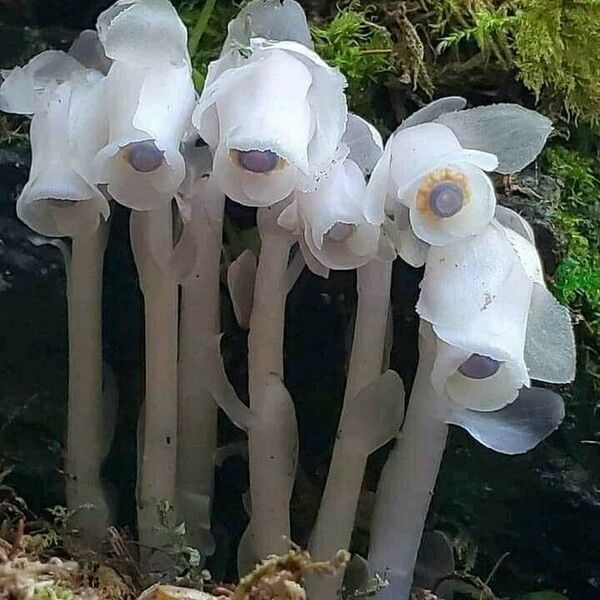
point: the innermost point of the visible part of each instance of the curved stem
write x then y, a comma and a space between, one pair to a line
152, 239
407, 483
270, 510
200, 324
335, 520
89, 435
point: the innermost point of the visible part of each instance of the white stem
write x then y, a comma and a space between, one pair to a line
89, 435
200, 324
337, 513
407, 483
152, 239
270, 501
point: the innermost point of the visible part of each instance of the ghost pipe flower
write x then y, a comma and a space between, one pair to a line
442, 194
515, 136
481, 348
336, 227
151, 97
199, 326
272, 111
59, 200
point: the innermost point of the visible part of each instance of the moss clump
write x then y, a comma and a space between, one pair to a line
362, 49
577, 280
554, 45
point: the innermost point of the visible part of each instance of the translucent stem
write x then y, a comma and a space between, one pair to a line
199, 326
337, 513
90, 430
407, 483
270, 500
152, 238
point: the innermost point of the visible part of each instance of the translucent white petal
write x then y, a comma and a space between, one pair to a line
143, 32
240, 281
527, 254
472, 219
433, 110
277, 20
268, 109
550, 343
57, 201
380, 191
463, 279
312, 263
513, 133
88, 50
145, 104
517, 428
423, 148
488, 394
22, 90
364, 141
409, 247
512, 220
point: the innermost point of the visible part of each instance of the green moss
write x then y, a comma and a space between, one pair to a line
577, 280
362, 49
54, 592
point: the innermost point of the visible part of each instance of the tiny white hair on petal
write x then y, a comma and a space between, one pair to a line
364, 141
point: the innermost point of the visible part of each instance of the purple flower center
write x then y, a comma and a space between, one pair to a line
258, 161
446, 199
340, 232
478, 366
145, 157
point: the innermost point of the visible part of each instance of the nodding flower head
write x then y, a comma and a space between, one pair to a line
489, 308
274, 118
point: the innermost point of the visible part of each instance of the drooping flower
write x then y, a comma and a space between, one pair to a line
442, 185
151, 96
492, 314
274, 115
65, 95
432, 173
59, 198
336, 224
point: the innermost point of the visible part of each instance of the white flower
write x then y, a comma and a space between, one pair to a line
496, 323
426, 173
58, 199
335, 224
274, 116
149, 113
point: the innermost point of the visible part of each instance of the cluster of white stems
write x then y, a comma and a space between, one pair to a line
117, 120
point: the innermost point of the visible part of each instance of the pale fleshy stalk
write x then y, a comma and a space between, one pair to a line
270, 523
152, 241
200, 324
407, 482
337, 512
89, 430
